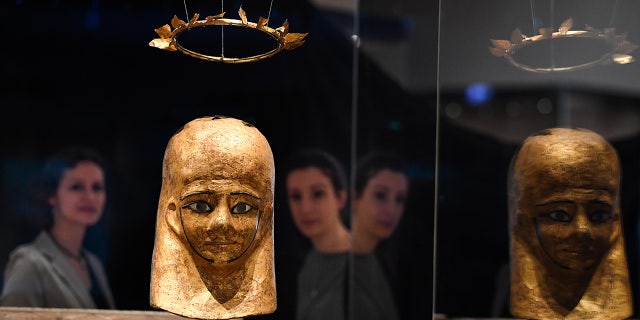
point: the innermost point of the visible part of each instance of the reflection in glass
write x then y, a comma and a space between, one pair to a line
566, 228
477, 141
380, 193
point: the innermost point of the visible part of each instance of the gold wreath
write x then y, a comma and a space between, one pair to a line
618, 52
169, 38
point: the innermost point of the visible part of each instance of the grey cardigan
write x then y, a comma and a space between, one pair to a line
39, 275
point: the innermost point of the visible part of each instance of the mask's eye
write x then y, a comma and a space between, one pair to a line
559, 216
198, 207
241, 208
600, 216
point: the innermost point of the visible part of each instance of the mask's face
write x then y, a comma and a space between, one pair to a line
213, 252
221, 220
568, 190
574, 227
223, 186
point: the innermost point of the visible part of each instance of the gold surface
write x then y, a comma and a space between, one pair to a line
169, 37
213, 251
567, 248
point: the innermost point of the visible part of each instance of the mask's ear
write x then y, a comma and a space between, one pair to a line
266, 220
171, 216
617, 231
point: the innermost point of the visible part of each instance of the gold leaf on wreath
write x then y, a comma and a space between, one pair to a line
194, 18
164, 31
501, 44
497, 52
176, 22
627, 47
294, 40
243, 15
546, 33
566, 26
517, 36
217, 16
262, 22
163, 43
285, 26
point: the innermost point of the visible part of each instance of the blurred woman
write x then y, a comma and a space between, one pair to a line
55, 270
317, 195
381, 190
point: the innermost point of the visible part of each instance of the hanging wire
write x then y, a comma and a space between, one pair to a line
185, 9
533, 16
551, 42
269, 14
222, 32
186, 12
613, 13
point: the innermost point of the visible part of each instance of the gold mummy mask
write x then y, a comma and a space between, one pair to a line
567, 248
213, 251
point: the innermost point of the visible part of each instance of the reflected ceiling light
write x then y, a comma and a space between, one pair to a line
564, 49
169, 36
478, 93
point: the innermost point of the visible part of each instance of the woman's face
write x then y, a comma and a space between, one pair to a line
381, 204
81, 195
314, 203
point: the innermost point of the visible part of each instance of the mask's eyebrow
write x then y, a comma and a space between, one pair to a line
601, 202
245, 193
235, 193
554, 202
194, 194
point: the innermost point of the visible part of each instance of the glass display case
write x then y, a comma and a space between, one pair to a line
490, 101
438, 82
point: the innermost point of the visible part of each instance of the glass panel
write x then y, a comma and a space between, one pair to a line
488, 106
395, 113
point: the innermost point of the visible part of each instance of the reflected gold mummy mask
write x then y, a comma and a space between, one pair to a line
213, 251
567, 247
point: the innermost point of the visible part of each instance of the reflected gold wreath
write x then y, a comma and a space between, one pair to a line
619, 47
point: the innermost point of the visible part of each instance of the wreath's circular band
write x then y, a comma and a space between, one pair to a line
168, 39
619, 48
529, 41
273, 33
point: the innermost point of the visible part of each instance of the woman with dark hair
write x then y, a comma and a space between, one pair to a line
55, 270
317, 195
381, 191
